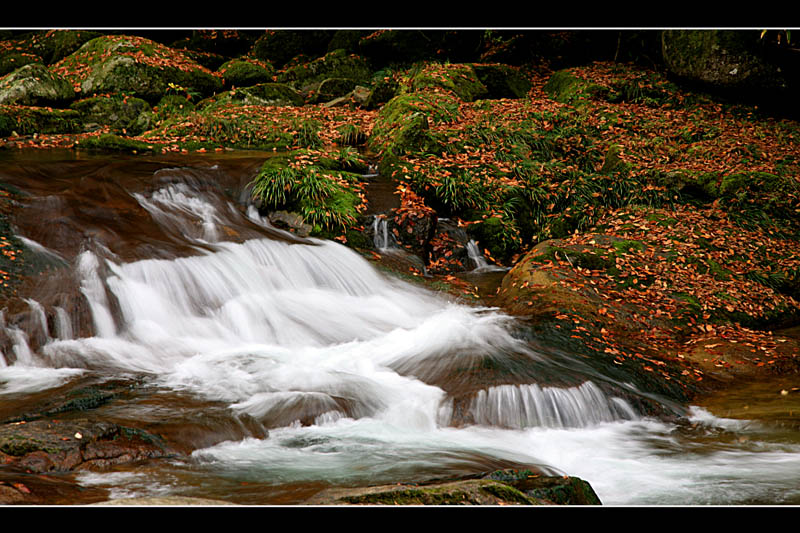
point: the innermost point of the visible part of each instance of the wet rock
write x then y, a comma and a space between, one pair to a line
166, 500
66, 445
290, 222
556, 490
498, 488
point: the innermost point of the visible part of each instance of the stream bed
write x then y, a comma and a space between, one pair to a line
282, 366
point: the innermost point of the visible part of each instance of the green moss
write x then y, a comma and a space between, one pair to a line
18, 446
128, 114
335, 64
458, 78
114, 143
628, 246
507, 494
29, 120
326, 198
564, 86
241, 72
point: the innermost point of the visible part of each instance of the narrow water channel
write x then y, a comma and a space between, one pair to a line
290, 365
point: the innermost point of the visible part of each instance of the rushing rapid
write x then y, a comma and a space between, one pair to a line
356, 377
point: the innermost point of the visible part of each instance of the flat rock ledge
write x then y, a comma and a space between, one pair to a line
505, 487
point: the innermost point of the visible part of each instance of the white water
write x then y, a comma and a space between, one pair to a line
333, 358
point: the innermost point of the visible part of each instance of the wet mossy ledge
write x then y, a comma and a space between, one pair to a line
624, 201
502, 487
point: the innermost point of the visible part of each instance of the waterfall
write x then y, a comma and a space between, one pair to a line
481, 264
357, 377
524, 406
382, 238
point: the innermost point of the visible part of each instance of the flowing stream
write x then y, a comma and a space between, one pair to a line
291, 365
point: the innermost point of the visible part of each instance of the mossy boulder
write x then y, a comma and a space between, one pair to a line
109, 142
77, 444
403, 124
10, 62
135, 66
721, 59
280, 46
242, 72
333, 88
262, 94
35, 85
41, 120
336, 64
128, 115
347, 40
505, 487
397, 47
461, 79
52, 45
502, 81
564, 86
382, 90
559, 490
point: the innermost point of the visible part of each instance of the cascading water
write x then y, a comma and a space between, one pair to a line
357, 377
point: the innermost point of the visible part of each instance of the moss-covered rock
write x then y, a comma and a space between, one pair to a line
244, 72
336, 64
35, 85
347, 40
331, 88
262, 94
44, 446
559, 490
564, 86
10, 62
402, 125
280, 46
461, 79
504, 487
51, 45
135, 66
502, 81
128, 115
397, 47
109, 142
720, 58
40, 120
